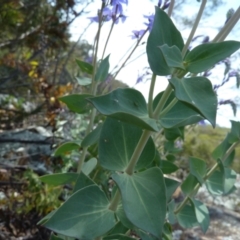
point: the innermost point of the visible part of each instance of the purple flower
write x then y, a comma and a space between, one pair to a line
139, 78
206, 39
159, 3
150, 21
166, 4
143, 76
116, 2
113, 12
107, 14
94, 19
202, 123
233, 73
137, 34
207, 73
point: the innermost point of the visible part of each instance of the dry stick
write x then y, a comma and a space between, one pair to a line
200, 12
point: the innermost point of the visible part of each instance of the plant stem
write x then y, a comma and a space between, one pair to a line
108, 37
209, 173
84, 150
114, 203
93, 87
170, 9
200, 12
229, 151
93, 92
228, 27
137, 152
150, 95
130, 54
162, 101
168, 108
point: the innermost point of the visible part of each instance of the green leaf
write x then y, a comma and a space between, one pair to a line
118, 237
172, 56
189, 184
85, 67
127, 105
54, 237
173, 133
205, 56
59, 237
89, 166
214, 183
144, 199
58, 179
169, 147
117, 143
66, 148
163, 32
103, 69
84, 81
167, 232
222, 148
230, 180
92, 137
171, 186
144, 235
84, 215
229, 160
46, 218
221, 181
171, 215
118, 228
182, 114
198, 92
171, 157
198, 168
77, 102
187, 217
167, 167
202, 214
234, 135
82, 181
123, 218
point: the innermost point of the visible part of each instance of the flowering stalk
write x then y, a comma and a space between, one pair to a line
93, 91
170, 9
108, 37
200, 12
129, 56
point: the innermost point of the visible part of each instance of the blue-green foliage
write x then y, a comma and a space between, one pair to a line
121, 189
